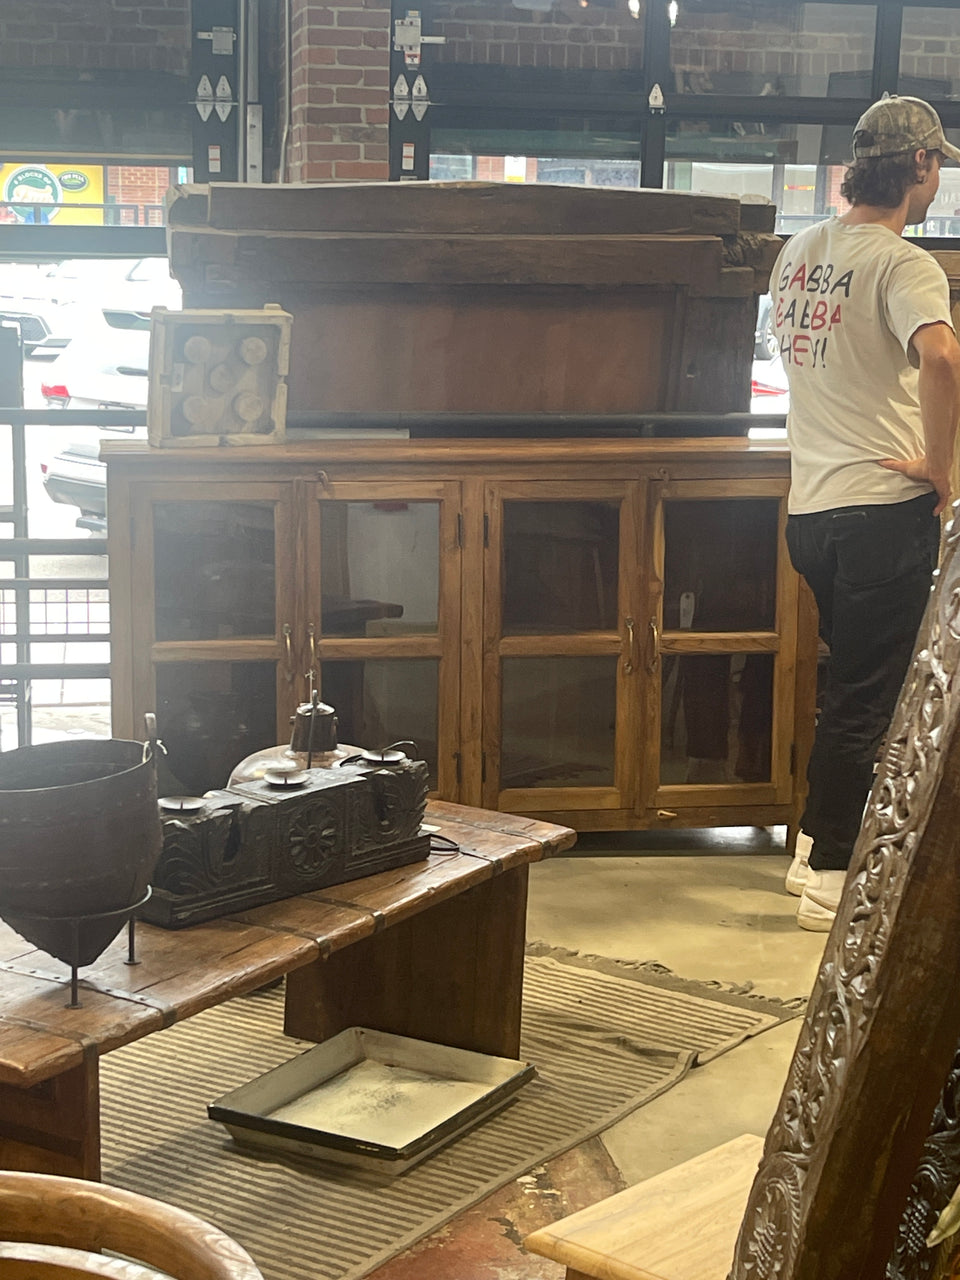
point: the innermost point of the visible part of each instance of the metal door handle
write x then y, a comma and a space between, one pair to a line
655, 647
312, 633
287, 632
628, 664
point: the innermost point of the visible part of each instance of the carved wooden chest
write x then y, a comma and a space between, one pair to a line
251, 844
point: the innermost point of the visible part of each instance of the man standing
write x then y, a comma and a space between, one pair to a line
873, 364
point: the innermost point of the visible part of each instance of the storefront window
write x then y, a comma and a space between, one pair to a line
771, 50
798, 167
85, 195
537, 33
930, 53
581, 157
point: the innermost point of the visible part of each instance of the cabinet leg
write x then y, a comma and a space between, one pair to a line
53, 1127
453, 974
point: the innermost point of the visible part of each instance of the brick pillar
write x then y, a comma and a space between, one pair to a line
340, 91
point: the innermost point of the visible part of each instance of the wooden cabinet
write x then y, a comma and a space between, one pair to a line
604, 631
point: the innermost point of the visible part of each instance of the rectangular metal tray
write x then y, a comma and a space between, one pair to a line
369, 1099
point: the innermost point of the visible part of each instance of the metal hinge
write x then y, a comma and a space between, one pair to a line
483, 766
456, 761
407, 97
460, 529
486, 530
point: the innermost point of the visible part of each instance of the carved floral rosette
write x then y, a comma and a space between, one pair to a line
840, 1011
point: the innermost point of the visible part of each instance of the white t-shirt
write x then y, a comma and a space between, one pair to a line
846, 302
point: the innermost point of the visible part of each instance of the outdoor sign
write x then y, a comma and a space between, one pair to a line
24, 187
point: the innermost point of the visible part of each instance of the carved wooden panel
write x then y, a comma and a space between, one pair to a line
882, 1024
251, 844
936, 1179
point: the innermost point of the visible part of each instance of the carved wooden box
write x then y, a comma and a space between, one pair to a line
218, 377
251, 844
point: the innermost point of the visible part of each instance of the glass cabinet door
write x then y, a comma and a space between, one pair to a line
222, 645
559, 667
721, 628
384, 609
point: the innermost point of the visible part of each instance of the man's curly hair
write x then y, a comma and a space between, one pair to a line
883, 181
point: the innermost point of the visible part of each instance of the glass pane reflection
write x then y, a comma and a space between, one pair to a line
215, 576
538, 34
716, 717
559, 719
929, 46
720, 565
386, 700
210, 716
380, 568
772, 50
560, 563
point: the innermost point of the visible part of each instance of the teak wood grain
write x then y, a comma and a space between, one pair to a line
471, 480
455, 918
61, 1217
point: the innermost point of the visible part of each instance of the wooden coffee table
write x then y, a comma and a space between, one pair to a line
433, 950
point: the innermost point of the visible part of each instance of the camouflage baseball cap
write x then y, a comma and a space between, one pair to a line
895, 125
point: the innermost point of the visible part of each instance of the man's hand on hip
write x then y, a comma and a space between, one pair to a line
919, 469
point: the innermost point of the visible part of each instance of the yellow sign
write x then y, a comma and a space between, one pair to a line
47, 193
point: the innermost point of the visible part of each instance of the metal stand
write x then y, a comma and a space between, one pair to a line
79, 940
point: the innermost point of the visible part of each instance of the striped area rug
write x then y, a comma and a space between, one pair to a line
605, 1040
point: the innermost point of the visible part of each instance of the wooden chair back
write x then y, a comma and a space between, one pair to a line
59, 1225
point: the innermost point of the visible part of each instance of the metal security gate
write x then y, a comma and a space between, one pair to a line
44, 617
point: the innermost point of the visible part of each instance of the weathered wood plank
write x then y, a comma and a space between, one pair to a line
39, 1036
330, 258
453, 975
474, 207
53, 1127
552, 838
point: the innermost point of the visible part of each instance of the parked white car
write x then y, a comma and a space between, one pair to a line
52, 304
105, 367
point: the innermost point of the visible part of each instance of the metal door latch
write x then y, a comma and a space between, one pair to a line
221, 39
408, 37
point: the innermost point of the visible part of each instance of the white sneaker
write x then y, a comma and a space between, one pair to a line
800, 866
820, 899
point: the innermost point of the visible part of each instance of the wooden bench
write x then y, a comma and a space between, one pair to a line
863, 1152
433, 950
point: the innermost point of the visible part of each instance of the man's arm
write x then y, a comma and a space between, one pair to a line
939, 390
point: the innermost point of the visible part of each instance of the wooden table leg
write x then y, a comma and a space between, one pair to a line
453, 974
53, 1127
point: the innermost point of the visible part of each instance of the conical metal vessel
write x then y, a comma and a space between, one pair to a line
80, 836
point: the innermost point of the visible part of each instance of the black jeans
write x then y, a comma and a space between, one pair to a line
870, 569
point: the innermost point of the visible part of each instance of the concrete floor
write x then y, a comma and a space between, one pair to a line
709, 905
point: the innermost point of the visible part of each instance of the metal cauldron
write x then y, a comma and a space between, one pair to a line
80, 833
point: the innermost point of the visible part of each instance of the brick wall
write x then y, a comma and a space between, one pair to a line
341, 87
496, 31
141, 185
120, 35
